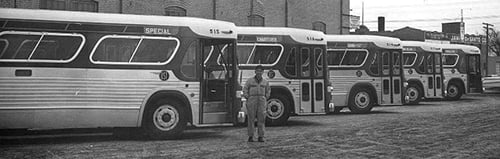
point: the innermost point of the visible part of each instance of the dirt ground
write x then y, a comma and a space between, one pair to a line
468, 128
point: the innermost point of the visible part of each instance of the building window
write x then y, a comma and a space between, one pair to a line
319, 26
175, 11
255, 20
72, 5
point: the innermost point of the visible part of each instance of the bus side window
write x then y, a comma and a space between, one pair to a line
374, 66
244, 51
290, 67
305, 62
188, 65
57, 48
115, 50
318, 53
421, 65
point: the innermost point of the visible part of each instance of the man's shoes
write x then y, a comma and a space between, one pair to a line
261, 139
250, 139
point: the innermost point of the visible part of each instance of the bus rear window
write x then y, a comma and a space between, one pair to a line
39, 47
134, 50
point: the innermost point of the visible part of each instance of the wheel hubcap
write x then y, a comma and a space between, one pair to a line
412, 93
275, 108
452, 91
165, 117
362, 99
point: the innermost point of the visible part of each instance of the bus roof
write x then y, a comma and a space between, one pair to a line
430, 47
300, 35
468, 49
380, 41
200, 26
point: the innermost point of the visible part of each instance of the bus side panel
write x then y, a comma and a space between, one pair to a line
55, 98
343, 81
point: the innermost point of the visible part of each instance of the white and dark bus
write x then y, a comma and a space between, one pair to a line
61, 69
293, 60
364, 71
461, 70
423, 68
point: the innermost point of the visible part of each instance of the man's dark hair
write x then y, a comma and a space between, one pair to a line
259, 67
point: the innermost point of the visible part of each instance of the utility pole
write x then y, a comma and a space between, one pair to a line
363, 13
487, 27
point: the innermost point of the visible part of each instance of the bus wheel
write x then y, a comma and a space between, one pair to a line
277, 110
166, 119
360, 101
414, 93
454, 91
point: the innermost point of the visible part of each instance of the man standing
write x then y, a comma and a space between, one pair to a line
256, 91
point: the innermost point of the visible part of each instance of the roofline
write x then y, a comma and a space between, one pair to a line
199, 25
468, 49
429, 47
380, 41
300, 35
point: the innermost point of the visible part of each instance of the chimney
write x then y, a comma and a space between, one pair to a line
381, 24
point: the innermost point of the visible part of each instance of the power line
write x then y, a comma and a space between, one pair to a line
440, 19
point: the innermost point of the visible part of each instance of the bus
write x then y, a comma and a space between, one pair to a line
461, 70
365, 70
294, 65
61, 69
423, 70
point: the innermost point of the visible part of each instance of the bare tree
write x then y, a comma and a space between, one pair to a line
494, 42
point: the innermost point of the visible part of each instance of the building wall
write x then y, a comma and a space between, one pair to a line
301, 13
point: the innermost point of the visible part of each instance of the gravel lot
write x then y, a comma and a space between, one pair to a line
469, 128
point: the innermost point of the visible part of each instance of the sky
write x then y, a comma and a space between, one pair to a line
428, 14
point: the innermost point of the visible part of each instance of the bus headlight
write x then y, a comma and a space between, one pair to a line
239, 94
329, 89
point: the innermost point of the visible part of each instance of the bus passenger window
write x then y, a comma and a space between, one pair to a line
335, 57
115, 50
318, 66
353, 58
409, 59
244, 51
57, 48
305, 63
154, 50
450, 60
40, 46
374, 68
188, 65
265, 54
428, 63
290, 67
19, 46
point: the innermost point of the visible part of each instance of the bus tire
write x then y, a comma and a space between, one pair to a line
454, 91
165, 119
277, 110
360, 100
415, 93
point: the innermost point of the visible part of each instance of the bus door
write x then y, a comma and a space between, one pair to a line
312, 80
433, 78
473, 74
217, 89
391, 78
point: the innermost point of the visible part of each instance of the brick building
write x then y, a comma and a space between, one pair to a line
330, 16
